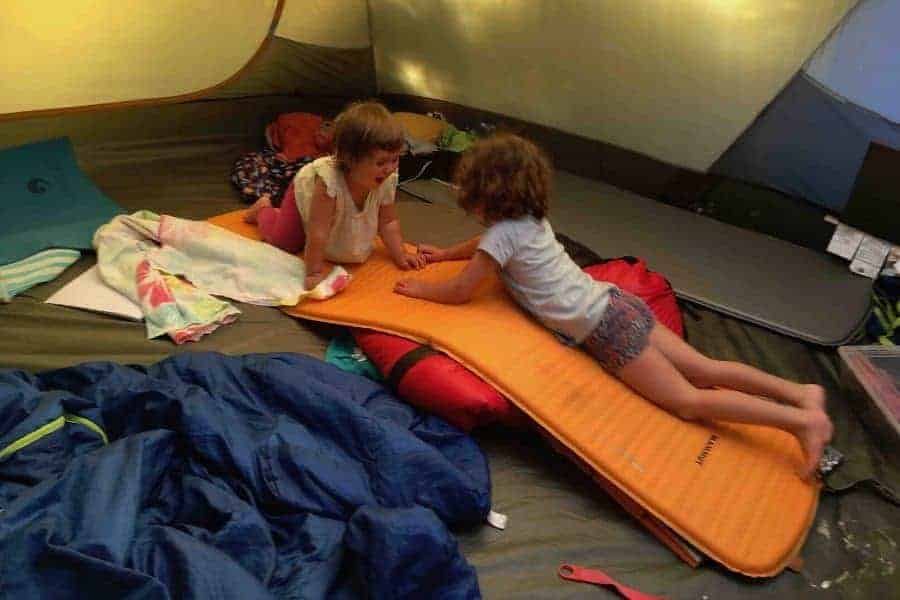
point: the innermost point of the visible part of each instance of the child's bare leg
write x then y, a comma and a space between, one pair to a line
252, 212
705, 372
655, 377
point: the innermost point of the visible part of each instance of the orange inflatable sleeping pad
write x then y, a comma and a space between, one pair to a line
731, 491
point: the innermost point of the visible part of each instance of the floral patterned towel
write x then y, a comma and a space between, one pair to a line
172, 267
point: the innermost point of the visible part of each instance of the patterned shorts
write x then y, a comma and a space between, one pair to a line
623, 331
264, 174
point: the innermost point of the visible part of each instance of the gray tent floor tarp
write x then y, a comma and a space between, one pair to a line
556, 514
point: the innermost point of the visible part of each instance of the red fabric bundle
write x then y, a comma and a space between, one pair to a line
300, 135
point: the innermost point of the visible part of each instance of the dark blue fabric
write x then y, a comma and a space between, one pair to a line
232, 477
807, 143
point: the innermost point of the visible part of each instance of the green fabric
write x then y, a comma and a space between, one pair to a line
886, 311
47, 201
49, 428
343, 353
138, 135
456, 140
289, 67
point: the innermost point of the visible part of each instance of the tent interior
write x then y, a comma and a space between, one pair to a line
710, 137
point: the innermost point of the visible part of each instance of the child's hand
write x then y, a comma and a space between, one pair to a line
316, 277
432, 254
413, 288
411, 261
313, 280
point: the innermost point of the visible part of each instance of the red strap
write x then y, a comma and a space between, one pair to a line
583, 575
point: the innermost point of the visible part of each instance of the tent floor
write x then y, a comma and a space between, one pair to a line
556, 513
768, 282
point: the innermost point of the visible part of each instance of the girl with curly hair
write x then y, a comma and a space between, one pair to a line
504, 181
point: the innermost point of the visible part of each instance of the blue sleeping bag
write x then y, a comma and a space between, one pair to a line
207, 476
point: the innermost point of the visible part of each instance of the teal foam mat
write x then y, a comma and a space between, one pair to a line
46, 201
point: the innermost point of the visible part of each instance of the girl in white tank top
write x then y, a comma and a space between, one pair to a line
338, 204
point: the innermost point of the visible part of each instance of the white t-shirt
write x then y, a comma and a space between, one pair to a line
353, 231
543, 278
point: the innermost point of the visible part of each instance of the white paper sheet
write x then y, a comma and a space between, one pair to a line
89, 292
845, 241
869, 257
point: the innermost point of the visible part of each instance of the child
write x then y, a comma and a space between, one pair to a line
341, 202
504, 180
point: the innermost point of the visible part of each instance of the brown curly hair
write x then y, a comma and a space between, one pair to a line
363, 128
504, 176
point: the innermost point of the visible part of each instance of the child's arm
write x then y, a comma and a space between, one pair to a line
460, 251
389, 229
456, 290
321, 216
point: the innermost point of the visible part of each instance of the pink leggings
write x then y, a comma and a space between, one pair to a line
283, 227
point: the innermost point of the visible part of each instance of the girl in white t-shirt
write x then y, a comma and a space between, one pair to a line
504, 180
337, 204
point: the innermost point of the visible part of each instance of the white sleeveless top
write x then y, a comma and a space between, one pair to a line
353, 231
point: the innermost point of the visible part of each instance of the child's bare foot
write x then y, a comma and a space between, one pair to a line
815, 433
813, 397
253, 211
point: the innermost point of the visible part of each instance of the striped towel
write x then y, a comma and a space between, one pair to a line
16, 277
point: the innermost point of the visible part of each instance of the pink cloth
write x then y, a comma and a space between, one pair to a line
282, 227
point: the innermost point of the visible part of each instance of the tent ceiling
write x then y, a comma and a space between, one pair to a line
861, 59
677, 81
813, 137
332, 23
111, 51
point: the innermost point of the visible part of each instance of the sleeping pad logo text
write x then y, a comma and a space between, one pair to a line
707, 448
37, 186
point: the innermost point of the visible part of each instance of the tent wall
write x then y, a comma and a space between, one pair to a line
330, 23
91, 52
320, 47
808, 143
861, 60
288, 67
677, 81
812, 139
105, 52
